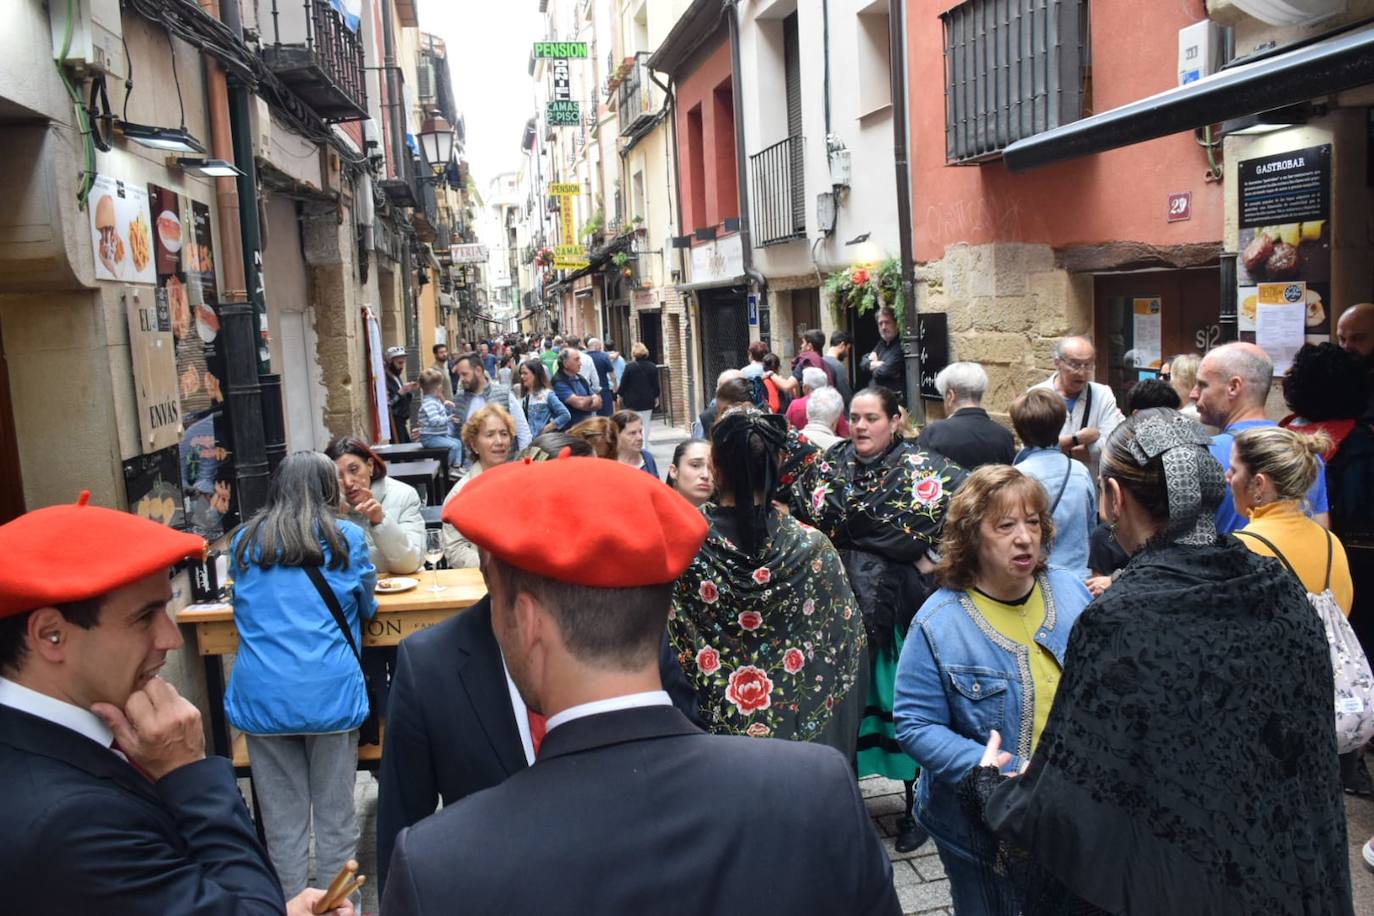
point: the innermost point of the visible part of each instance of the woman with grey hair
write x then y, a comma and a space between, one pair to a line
1189, 761
824, 410
302, 586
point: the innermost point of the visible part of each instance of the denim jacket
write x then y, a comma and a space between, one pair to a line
957, 680
540, 412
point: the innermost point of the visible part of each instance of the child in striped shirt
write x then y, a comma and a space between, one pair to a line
437, 420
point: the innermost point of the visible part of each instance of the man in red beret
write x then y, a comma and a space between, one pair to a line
629, 808
111, 803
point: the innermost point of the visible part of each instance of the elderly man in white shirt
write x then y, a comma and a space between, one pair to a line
1092, 410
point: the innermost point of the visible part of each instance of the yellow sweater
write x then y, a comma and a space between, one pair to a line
1303, 543
1019, 623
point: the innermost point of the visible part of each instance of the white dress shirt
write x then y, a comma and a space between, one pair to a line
59, 712
522, 714
629, 701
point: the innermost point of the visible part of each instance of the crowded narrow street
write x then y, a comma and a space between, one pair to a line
687, 456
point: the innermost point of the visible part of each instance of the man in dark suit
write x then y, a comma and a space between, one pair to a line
967, 436
629, 808
455, 725
111, 804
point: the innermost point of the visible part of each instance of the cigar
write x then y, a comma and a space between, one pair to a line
331, 894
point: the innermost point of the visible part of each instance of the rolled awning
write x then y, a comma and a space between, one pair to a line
1276, 80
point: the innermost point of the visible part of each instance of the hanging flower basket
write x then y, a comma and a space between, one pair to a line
544, 257
863, 289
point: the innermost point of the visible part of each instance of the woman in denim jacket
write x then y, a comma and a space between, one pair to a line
984, 653
542, 408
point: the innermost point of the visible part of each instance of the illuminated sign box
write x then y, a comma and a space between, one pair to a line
560, 50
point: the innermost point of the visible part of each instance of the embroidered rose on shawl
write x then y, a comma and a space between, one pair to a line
818, 496
758, 730
708, 660
817, 565
928, 491
808, 607
750, 689
793, 660
750, 620
762, 575
708, 592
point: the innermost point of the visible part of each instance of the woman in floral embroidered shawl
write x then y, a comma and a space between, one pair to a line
763, 620
881, 500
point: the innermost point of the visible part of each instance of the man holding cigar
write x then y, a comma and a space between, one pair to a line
628, 808
111, 803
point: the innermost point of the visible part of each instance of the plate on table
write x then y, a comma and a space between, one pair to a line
393, 584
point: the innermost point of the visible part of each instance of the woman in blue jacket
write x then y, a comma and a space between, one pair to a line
297, 690
984, 653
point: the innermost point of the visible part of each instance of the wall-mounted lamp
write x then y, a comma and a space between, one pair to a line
1265, 121
206, 168
171, 139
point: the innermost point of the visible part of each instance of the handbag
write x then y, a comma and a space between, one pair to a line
370, 731
1354, 682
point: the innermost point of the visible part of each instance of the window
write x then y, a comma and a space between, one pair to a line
1013, 68
874, 61
727, 183
696, 170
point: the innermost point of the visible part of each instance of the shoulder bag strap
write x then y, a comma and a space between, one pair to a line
1329, 549
1068, 472
1087, 405
331, 601
1270, 544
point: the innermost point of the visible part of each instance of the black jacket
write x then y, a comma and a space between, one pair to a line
637, 811
450, 729
891, 374
86, 833
639, 385
970, 438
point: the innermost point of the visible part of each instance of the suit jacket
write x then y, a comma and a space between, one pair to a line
86, 833
970, 438
450, 728
638, 811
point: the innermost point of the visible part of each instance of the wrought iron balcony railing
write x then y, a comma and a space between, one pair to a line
778, 188
319, 57
638, 101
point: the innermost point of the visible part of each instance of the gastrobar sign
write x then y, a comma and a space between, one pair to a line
469, 254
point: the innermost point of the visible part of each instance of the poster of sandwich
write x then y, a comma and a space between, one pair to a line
1285, 242
121, 231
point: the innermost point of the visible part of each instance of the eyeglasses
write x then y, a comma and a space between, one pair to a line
1165, 376
1078, 365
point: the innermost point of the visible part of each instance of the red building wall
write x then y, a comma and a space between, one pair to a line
706, 142
1120, 195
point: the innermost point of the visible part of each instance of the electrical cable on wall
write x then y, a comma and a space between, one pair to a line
87, 177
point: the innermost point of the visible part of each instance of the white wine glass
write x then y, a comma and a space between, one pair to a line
434, 552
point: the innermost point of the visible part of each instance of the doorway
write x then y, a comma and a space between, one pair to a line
1144, 318
651, 334
724, 333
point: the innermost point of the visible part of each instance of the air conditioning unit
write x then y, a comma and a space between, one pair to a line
97, 35
424, 79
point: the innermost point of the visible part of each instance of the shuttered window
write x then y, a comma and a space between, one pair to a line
1013, 68
791, 54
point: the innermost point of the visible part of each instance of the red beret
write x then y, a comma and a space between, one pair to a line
70, 553
585, 521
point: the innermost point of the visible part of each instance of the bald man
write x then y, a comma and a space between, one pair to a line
701, 429
1232, 385
1355, 334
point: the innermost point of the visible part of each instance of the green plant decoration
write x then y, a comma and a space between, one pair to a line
620, 259
863, 289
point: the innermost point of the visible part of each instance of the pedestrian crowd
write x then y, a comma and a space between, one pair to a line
1113, 655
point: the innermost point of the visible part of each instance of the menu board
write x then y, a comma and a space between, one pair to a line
154, 362
932, 336
152, 485
188, 290
1145, 334
121, 236
1285, 239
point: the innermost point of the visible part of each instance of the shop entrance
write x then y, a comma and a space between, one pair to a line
1143, 318
724, 333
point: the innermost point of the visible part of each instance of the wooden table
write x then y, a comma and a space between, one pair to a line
398, 615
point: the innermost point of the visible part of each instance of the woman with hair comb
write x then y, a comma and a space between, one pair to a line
763, 621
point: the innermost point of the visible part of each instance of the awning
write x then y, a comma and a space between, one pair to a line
741, 280
1277, 80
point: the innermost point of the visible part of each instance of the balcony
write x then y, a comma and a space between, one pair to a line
403, 188
778, 188
319, 57
638, 98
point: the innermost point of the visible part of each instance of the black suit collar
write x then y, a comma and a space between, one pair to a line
616, 727
484, 680
969, 412
36, 735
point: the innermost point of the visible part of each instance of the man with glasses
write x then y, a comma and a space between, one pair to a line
1092, 411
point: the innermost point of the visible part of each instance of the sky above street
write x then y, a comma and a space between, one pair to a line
489, 44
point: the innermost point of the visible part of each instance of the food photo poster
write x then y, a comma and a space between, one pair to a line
121, 231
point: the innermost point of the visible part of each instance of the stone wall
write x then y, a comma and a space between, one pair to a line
1007, 304
675, 354
334, 292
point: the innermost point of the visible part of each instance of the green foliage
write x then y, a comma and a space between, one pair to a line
620, 259
592, 226
863, 289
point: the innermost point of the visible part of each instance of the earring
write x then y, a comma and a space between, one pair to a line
54, 639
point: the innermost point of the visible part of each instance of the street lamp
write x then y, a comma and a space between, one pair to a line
436, 139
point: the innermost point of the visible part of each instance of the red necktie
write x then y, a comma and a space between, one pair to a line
538, 726
114, 745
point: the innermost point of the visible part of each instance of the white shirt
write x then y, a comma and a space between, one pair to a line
596, 707
522, 426
59, 712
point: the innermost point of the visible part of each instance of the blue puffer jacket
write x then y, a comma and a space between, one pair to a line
957, 680
295, 673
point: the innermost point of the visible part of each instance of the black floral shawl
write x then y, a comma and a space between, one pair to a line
1189, 763
772, 643
883, 516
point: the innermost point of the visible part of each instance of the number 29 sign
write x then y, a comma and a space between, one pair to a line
1180, 207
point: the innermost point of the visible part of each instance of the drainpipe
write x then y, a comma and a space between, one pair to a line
1227, 317
401, 154
238, 321
741, 162
910, 321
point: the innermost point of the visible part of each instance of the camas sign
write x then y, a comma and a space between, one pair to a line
563, 113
